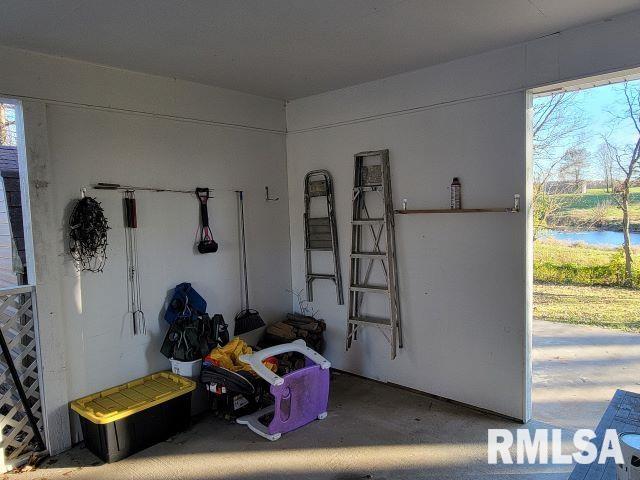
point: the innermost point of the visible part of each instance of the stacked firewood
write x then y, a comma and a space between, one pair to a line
294, 327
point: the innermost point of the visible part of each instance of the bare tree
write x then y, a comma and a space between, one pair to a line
574, 165
7, 125
557, 125
626, 158
606, 162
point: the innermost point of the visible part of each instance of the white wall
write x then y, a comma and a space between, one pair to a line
86, 124
463, 280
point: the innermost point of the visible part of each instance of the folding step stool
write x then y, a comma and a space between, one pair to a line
320, 233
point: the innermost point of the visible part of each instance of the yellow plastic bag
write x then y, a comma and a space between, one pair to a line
229, 356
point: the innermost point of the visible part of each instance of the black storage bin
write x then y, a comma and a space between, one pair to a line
117, 440
141, 426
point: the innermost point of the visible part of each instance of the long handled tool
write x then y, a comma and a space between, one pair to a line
247, 319
133, 273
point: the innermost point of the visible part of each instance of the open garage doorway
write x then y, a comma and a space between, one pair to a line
586, 247
22, 418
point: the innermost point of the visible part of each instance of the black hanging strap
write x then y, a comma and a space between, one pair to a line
207, 244
203, 196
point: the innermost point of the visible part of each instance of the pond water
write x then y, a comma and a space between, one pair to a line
603, 237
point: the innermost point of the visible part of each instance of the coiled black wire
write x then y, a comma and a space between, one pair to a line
88, 235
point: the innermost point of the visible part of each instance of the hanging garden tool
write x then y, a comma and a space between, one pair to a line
247, 319
133, 273
206, 244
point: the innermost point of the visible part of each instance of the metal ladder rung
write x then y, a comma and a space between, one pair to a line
320, 237
319, 221
325, 276
369, 289
368, 188
381, 255
319, 249
368, 221
381, 322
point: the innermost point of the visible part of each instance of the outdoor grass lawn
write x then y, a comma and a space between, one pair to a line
610, 214
580, 264
579, 283
608, 307
546, 250
565, 290
582, 207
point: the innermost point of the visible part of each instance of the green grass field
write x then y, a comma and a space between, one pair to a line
581, 284
607, 307
548, 250
580, 264
576, 283
596, 204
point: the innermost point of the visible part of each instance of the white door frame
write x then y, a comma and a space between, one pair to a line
566, 86
25, 201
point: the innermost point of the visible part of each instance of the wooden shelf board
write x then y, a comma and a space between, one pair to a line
461, 210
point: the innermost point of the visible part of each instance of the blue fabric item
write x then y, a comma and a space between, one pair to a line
184, 302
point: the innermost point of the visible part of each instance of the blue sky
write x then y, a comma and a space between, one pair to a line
597, 105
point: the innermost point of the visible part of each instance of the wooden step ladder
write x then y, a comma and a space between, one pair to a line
372, 193
320, 233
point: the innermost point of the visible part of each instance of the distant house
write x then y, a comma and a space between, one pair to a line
12, 246
557, 187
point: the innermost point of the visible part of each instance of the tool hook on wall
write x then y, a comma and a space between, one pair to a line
267, 197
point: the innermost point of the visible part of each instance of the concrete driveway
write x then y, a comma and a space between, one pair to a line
577, 369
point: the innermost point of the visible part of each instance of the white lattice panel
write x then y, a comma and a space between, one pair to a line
18, 327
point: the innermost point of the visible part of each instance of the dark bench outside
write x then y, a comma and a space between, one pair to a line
622, 414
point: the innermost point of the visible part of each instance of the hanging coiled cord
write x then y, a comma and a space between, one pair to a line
88, 235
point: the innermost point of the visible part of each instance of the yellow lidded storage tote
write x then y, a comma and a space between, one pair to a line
122, 420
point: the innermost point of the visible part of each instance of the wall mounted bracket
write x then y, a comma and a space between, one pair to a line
267, 198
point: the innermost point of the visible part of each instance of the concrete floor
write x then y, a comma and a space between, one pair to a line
577, 369
378, 432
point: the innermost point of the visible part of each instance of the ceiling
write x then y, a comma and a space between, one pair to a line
285, 48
